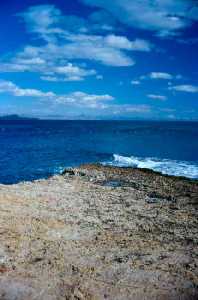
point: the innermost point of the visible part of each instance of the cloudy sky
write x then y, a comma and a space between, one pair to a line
99, 58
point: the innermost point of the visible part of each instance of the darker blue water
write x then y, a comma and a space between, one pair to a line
37, 149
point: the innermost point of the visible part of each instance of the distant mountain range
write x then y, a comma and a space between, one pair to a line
80, 117
16, 117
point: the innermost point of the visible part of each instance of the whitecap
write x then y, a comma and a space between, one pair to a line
165, 166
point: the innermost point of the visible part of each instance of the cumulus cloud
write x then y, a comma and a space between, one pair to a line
13, 89
84, 98
77, 98
94, 48
157, 97
66, 39
121, 42
165, 17
48, 20
42, 20
36, 60
160, 75
74, 70
184, 88
70, 72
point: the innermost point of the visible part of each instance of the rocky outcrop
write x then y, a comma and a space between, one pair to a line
99, 233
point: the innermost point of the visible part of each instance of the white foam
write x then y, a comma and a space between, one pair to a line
165, 166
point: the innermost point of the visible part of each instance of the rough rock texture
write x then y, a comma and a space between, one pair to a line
99, 233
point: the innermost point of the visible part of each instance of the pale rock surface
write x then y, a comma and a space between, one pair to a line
99, 233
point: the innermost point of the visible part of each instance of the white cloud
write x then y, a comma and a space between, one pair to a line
84, 98
121, 42
160, 75
42, 19
61, 79
156, 76
135, 82
184, 88
165, 17
137, 108
50, 68
77, 98
13, 89
71, 70
130, 109
94, 49
157, 97
50, 78
31, 61
66, 38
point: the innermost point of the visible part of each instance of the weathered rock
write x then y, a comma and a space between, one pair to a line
99, 233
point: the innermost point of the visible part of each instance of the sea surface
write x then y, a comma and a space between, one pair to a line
34, 149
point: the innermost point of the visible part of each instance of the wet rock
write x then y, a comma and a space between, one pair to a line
68, 172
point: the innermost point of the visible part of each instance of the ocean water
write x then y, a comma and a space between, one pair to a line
33, 149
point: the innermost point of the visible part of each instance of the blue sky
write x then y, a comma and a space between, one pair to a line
99, 59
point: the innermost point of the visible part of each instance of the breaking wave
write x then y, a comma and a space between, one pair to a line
165, 166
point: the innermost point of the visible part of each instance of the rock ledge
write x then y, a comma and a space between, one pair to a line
99, 233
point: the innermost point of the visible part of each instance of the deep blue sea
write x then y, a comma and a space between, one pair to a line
37, 149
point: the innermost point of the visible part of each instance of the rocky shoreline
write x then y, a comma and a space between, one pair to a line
99, 232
